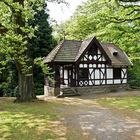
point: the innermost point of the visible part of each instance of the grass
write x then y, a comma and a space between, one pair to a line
29, 121
130, 103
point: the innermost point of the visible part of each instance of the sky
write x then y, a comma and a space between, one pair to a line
61, 12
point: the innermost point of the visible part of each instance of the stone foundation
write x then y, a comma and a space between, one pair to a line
50, 91
101, 89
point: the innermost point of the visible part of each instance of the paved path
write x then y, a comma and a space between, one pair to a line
87, 120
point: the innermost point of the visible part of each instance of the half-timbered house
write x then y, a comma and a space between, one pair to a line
83, 66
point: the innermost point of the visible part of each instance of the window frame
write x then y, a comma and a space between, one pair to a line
83, 73
117, 73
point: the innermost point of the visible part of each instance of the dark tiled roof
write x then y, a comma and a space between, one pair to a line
53, 53
121, 59
66, 51
71, 50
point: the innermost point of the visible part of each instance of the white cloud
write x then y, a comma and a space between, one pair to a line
61, 12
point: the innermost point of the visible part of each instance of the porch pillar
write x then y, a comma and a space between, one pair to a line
57, 80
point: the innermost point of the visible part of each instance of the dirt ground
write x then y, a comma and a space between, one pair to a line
85, 119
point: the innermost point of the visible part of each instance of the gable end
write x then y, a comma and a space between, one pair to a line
96, 42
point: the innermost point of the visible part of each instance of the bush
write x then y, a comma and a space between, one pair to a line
39, 88
134, 74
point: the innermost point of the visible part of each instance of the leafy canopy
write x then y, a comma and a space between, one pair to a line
110, 21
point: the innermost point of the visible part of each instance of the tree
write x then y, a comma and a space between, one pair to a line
14, 43
42, 43
15, 35
111, 21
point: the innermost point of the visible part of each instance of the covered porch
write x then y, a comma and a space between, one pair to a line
64, 77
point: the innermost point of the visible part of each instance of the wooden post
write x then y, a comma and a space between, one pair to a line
77, 72
57, 81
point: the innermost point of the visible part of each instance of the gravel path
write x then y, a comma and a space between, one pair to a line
87, 120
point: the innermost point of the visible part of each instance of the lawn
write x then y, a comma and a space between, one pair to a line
130, 103
29, 121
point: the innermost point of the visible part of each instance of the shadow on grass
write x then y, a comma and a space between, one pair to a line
29, 121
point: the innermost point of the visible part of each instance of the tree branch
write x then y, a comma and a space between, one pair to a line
128, 3
135, 10
116, 20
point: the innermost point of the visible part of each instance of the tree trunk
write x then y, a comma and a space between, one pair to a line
26, 88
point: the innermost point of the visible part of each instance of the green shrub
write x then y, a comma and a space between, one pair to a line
134, 74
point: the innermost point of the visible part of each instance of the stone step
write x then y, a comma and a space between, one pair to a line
67, 95
68, 92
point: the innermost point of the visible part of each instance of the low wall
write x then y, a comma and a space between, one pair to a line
101, 89
50, 91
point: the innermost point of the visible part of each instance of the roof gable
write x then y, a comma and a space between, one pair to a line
87, 44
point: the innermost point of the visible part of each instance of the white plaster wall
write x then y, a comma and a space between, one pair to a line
73, 75
97, 82
90, 57
90, 83
90, 65
85, 65
122, 74
85, 59
65, 74
96, 74
61, 73
100, 59
117, 81
103, 59
99, 51
103, 65
102, 76
66, 82
103, 83
125, 76
86, 56
109, 73
81, 66
92, 75
109, 81
95, 57
124, 81
94, 65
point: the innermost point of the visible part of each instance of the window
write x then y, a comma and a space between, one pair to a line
83, 73
117, 73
